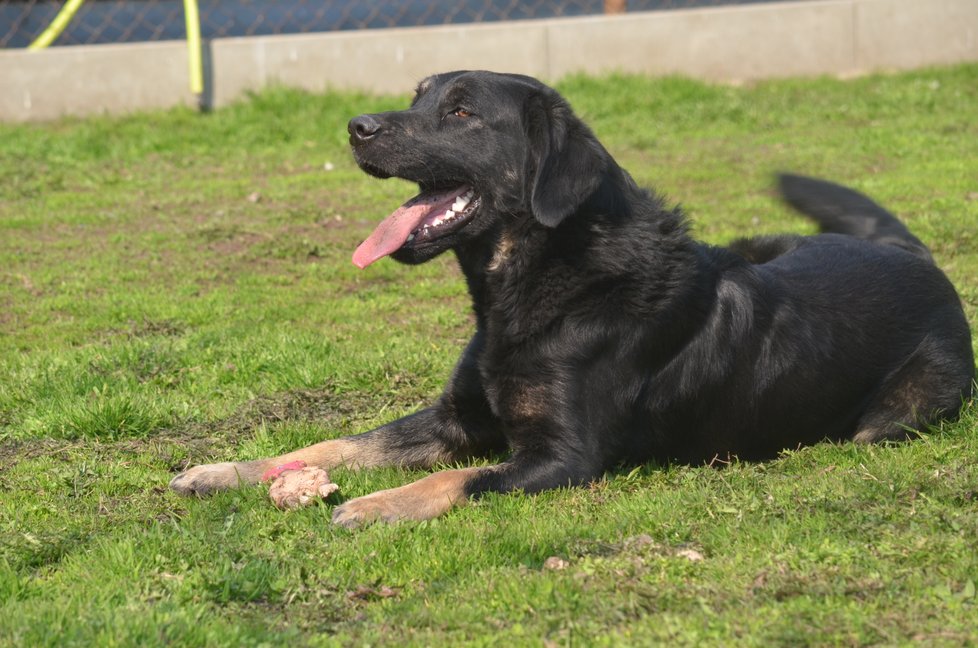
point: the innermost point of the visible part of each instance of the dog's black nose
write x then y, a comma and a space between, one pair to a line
362, 128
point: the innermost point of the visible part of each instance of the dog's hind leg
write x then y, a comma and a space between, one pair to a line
931, 385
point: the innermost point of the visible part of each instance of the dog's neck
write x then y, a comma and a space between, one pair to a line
523, 277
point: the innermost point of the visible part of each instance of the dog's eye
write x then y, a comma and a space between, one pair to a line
461, 112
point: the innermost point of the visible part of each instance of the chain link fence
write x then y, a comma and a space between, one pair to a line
121, 21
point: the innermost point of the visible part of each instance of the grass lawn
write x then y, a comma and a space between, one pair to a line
176, 288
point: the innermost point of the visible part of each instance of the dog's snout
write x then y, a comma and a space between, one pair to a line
362, 128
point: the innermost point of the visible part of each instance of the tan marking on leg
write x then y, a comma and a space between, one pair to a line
894, 432
421, 500
354, 452
866, 435
351, 452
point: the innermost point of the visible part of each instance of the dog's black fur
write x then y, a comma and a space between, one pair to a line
606, 335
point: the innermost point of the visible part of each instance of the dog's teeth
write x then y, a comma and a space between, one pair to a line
458, 205
410, 238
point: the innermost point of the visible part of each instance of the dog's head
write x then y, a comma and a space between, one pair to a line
483, 147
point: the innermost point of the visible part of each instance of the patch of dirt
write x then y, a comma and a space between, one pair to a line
372, 593
166, 327
783, 583
225, 240
20, 281
309, 607
175, 444
33, 551
13, 452
148, 328
636, 550
293, 242
299, 405
209, 440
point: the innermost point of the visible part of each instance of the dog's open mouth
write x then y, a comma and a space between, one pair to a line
426, 217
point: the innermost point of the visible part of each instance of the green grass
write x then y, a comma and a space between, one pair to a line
176, 288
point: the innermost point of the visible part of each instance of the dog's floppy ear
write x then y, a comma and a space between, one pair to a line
566, 163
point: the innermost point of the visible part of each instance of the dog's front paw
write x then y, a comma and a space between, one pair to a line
201, 480
376, 507
420, 500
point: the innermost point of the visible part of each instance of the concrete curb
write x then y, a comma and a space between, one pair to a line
727, 44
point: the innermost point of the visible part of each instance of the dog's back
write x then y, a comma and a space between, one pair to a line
857, 279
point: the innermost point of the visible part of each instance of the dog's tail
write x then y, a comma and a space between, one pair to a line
842, 210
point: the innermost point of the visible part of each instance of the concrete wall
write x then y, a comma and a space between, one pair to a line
734, 43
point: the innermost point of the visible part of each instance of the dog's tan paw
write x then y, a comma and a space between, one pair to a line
421, 500
208, 478
376, 507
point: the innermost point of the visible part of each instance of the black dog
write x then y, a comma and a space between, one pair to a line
606, 335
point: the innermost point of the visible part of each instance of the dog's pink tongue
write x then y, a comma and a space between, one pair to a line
394, 231
390, 234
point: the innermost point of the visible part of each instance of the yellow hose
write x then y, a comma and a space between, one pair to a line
57, 25
192, 15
